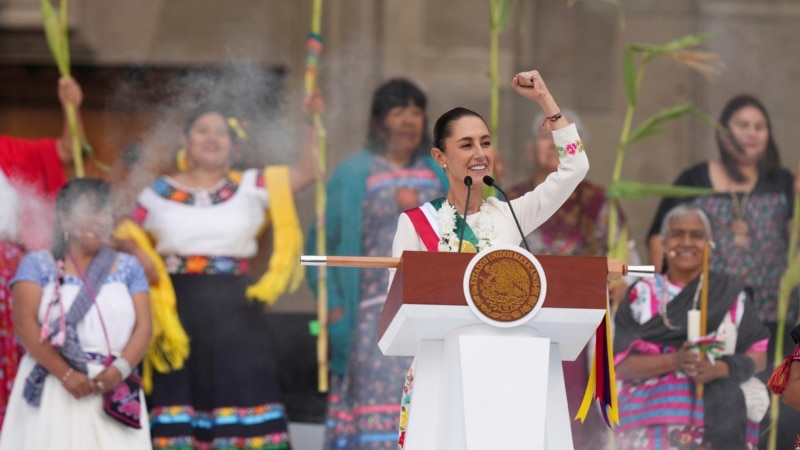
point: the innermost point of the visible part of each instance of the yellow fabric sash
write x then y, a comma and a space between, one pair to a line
284, 271
169, 347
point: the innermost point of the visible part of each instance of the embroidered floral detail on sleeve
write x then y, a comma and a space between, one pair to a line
570, 149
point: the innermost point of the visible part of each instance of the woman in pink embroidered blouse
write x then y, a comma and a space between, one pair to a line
659, 370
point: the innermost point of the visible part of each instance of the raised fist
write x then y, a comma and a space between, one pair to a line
530, 85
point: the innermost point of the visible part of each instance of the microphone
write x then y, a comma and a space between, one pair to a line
468, 182
490, 182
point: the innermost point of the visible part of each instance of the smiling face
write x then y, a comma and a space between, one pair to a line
749, 127
467, 151
208, 142
685, 240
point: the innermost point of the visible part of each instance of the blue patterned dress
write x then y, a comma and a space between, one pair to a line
364, 405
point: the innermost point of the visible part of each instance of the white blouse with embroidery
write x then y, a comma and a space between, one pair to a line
222, 221
532, 209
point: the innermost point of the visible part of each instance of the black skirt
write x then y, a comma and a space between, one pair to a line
227, 394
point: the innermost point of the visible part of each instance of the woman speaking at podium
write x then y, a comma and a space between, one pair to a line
462, 146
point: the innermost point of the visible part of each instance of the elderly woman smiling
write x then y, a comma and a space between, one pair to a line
659, 369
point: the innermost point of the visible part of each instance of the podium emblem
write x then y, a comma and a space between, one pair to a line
505, 286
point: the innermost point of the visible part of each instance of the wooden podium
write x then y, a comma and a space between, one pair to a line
478, 386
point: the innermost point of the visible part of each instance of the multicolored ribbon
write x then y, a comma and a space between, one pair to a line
602, 384
710, 347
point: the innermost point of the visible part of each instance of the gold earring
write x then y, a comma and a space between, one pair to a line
182, 160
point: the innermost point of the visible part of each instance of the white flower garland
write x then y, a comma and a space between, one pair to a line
446, 216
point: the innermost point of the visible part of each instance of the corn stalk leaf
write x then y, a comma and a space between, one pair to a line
56, 29
633, 190
795, 225
629, 74
653, 51
707, 119
619, 248
791, 278
55, 37
65, 36
645, 129
650, 132
500, 12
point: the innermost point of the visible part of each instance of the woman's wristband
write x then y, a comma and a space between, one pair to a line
66, 375
123, 366
552, 118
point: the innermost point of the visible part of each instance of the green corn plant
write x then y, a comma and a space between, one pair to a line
499, 12
56, 30
635, 60
789, 280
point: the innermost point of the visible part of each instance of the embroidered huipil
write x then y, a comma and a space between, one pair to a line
220, 222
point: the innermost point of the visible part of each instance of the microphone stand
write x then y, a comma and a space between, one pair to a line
468, 183
490, 182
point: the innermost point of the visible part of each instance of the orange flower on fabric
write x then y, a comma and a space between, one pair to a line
179, 196
196, 264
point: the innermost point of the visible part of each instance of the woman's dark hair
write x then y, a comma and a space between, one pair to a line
239, 147
209, 108
443, 127
397, 92
769, 163
97, 191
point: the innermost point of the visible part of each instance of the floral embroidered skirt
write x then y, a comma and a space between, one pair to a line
227, 396
364, 404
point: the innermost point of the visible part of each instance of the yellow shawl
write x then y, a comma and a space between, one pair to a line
169, 347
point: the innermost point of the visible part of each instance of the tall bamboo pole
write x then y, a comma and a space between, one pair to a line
313, 52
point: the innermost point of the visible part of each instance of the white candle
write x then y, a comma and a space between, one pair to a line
693, 326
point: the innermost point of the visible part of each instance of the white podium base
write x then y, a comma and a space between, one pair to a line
487, 388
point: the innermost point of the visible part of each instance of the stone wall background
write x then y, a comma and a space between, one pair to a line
443, 46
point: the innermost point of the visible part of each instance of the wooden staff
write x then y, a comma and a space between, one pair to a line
616, 269
313, 52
